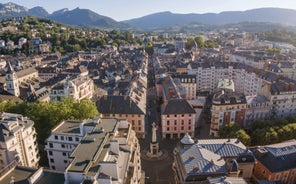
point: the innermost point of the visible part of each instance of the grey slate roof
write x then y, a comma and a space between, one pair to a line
277, 157
178, 106
118, 105
228, 97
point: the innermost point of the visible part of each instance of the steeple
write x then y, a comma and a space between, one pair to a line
11, 80
10, 70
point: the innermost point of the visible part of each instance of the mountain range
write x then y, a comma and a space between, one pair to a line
163, 20
76, 17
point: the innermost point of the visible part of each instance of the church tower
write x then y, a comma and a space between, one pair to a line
11, 81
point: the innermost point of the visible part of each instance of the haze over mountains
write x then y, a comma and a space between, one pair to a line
87, 18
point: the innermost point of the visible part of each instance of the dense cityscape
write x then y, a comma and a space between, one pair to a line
122, 106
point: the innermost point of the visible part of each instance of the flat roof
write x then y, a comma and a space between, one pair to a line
19, 175
91, 145
68, 126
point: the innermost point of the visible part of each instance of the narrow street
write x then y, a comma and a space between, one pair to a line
159, 171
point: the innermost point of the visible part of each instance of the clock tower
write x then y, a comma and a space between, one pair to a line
12, 85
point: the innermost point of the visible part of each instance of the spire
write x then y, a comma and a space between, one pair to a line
187, 140
32, 89
9, 68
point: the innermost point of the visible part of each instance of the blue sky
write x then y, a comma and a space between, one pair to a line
127, 9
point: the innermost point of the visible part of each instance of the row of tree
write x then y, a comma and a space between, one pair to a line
262, 132
48, 115
200, 43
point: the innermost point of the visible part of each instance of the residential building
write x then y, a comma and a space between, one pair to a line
276, 162
177, 115
108, 153
258, 107
227, 107
189, 83
194, 162
21, 42
17, 141
179, 43
63, 140
177, 119
124, 107
76, 87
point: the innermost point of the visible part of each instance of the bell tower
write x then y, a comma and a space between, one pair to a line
11, 81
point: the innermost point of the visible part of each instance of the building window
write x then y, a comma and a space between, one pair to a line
175, 122
168, 123
182, 122
53, 167
52, 160
189, 128
189, 121
140, 128
63, 146
50, 152
65, 161
133, 122
70, 138
139, 122
64, 153
168, 116
50, 145
62, 137
175, 128
56, 137
175, 115
189, 115
182, 115
182, 128
76, 139
139, 115
168, 128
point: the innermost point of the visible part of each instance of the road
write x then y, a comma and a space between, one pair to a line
160, 171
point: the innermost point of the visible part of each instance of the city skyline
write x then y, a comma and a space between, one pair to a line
121, 10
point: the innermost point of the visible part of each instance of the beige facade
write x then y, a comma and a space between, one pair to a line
81, 87
18, 141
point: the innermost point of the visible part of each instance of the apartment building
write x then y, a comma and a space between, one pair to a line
189, 83
177, 115
276, 162
17, 141
258, 107
108, 153
227, 106
63, 140
77, 87
124, 107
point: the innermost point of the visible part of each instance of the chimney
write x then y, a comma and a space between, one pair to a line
286, 86
114, 147
292, 86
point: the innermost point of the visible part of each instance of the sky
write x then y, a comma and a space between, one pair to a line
128, 9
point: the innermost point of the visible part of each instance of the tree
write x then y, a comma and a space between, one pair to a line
243, 137
189, 43
149, 48
210, 44
199, 41
228, 130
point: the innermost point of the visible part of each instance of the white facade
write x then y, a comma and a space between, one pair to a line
62, 141
18, 141
108, 151
81, 87
12, 82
